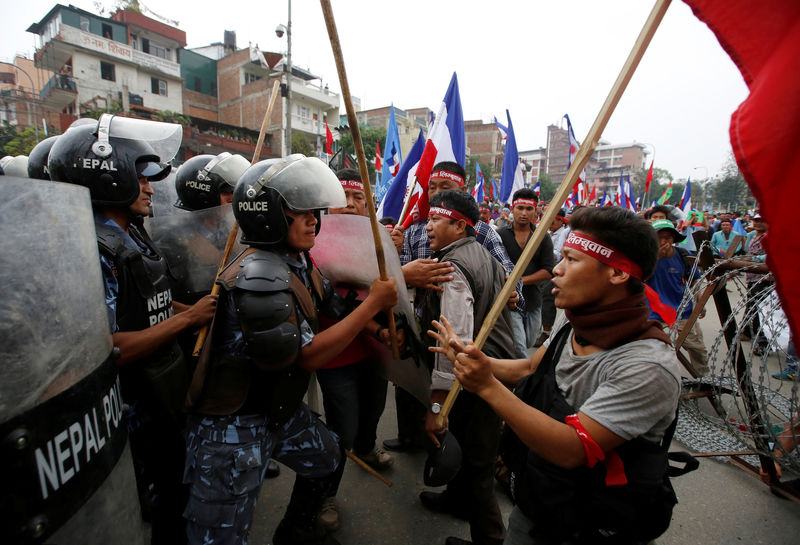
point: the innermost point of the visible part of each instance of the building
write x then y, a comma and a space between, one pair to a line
485, 141
128, 59
409, 123
20, 105
535, 164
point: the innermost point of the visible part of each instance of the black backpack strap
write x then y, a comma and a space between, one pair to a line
690, 463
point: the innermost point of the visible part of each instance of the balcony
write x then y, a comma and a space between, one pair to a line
58, 92
326, 99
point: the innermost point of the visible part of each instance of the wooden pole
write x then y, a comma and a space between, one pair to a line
584, 154
408, 202
333, 34
226, 254
366, 467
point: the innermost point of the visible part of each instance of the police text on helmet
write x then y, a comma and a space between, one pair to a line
253, 206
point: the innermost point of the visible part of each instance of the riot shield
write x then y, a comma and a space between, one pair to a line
345, 253
193, 243
164, 197
64, 461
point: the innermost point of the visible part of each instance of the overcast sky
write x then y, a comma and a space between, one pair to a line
539, 59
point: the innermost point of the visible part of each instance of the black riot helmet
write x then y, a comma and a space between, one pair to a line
37, 160
297, 182
109, 155
200, 180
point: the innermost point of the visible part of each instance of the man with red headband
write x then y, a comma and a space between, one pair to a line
422, 272
590, 417
526, 325
465, 300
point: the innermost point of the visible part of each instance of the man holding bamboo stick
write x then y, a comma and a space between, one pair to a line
591, 414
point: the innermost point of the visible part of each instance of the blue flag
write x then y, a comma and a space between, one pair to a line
495, 188
392, 156
512, 169
392, 203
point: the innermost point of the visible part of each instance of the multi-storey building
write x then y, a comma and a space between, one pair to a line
95, 61
409, 122
485, 141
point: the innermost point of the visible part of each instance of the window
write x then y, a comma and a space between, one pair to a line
250, 78
158, 86
107, 71
197, 84
145, 45
84, 23
159, 51
107, 33
303, 112
134, 41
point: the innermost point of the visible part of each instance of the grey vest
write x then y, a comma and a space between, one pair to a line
486, 277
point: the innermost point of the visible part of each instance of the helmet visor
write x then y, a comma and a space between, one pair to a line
163, 138
230, 169
306, 184
152, 170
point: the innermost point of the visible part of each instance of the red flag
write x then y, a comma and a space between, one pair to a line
328, 138
378, 164
648, 179
593, 194
763, 39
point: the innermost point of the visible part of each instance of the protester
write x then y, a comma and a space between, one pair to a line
505, 218
609, 395
246, 394
671, 280
353, 393
722, 239
465, 301
757, 286
538, 271
422, 272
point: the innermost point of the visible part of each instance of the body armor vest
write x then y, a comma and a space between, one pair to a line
145, 299
576, 505
225, 384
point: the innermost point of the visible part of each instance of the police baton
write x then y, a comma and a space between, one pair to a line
584, 153
226, 254
333, 34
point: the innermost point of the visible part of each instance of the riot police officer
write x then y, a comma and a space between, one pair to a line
117, 158
207, 180
248, 388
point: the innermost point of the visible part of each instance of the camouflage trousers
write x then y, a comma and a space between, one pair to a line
226, 458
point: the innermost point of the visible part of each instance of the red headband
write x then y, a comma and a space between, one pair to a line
602, 253
524, 202
452, 214
613, 258
448, 176
352, 184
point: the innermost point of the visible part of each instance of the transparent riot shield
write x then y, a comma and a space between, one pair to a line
193, 243
64, 461
345, 253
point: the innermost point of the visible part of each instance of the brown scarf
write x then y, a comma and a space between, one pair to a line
613, 325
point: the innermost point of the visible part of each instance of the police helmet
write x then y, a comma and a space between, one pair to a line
201, 179
109, 155
37, 160
444, 462
297, 182
16, 166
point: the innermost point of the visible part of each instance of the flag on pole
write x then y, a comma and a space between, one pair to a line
378, 163
479, 181
512, 179
446, 142
502, 128
328, 139
667, 194
686, 198
477, 192
495, 188
593, 194
648, 179
630, 200
574, 146
396, 194
537, 188
392, 156
763, 39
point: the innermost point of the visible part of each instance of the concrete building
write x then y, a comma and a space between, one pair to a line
96, 61
409, 122
485, 141
20, 105
535, 164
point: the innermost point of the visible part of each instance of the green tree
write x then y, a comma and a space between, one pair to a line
22, 143
731, 187
547, 188
7, 134
661, 178
300, 144
370, 136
